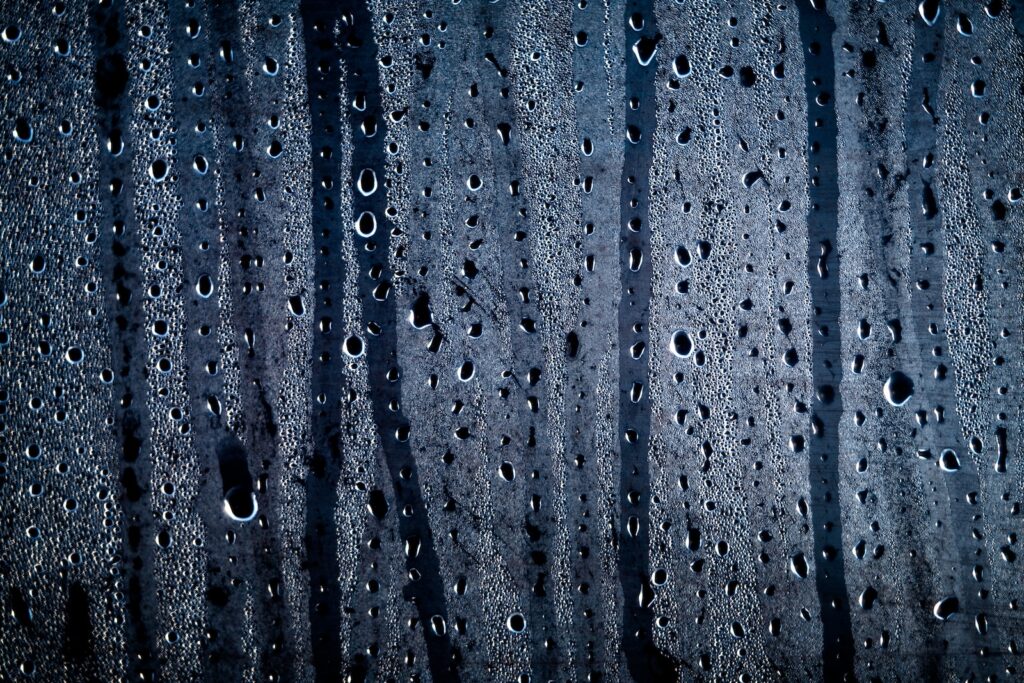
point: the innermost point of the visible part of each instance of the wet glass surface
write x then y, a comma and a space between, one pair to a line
398, 340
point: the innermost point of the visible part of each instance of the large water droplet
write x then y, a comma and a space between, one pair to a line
682, 345
898, 389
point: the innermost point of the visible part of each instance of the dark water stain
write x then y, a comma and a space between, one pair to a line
644, 660
816, 29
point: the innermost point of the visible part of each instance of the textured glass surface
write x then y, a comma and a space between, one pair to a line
397, 340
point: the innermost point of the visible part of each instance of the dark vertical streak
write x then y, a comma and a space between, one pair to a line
644, 660
584, 345
816, 28
426, 591
319, 20
925, 214
1017, 16
78, 630
124, 313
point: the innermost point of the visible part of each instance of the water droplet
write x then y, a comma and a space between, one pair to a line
949, 461
898, 389
946, 608
516, 622
682, 345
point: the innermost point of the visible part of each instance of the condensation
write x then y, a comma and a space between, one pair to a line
531, 341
